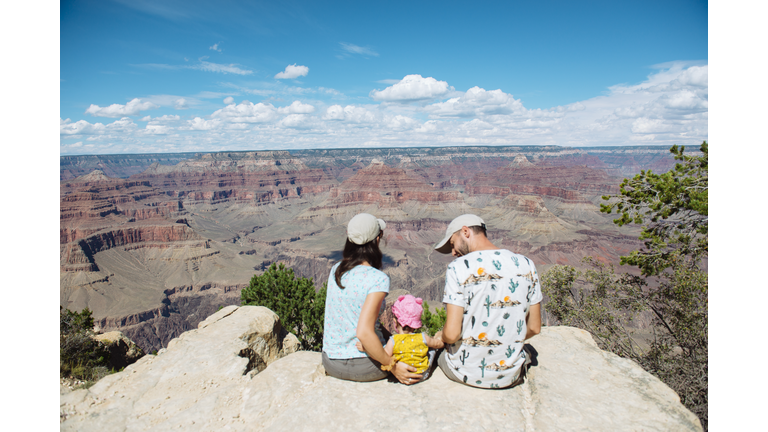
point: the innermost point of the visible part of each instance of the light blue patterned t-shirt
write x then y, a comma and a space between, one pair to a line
343, 306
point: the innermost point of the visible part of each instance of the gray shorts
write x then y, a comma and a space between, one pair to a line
361, 369
441, 361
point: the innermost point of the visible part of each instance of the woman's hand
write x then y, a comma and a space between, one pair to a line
405, 373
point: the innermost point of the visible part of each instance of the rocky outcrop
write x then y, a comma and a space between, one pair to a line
122, 351
233, 373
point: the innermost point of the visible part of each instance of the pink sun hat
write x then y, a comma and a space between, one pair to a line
407, 309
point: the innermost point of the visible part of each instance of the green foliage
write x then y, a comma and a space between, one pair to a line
606, 304
80, 356
671, 292
294, 300
673, 209
432, 322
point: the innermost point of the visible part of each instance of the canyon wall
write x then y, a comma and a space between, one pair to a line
153, 243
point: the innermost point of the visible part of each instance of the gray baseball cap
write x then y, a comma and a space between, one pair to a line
364, 228
467, 220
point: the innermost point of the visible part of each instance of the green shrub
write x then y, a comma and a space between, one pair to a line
432, 322
673, 210
80, 356
294, 300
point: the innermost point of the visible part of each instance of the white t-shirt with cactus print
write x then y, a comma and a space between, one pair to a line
495, 288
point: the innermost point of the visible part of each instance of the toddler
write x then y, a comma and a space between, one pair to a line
415, 349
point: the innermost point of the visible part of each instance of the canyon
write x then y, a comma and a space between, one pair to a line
153, 244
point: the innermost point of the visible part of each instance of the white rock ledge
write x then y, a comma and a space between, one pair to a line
202, 383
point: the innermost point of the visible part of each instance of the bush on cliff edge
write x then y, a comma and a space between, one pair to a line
294, 300
80, 356
673, 210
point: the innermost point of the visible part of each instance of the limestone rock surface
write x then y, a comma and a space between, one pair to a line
232, 373
122, 351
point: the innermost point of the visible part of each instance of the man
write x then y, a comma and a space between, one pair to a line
492, 299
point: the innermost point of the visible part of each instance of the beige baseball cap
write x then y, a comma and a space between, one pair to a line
467, 220
364, 228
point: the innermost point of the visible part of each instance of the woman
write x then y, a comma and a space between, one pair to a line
356, 291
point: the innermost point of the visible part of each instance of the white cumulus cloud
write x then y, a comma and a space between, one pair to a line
153, 129
477, 102
215, 47
413, 88
66, 127
292, 71
202, 125
334, 112
246, 112
134, 107
350, 113
229, 100
180, 103
296, 121
645, 126
297, 108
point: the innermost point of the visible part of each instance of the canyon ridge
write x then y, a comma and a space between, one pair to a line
155, 243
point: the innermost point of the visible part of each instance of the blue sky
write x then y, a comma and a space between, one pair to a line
149, 76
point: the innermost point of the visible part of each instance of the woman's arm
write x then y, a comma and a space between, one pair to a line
367, 335
365, 328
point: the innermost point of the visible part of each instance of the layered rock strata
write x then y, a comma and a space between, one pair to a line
255, 177
385, 185
140, 251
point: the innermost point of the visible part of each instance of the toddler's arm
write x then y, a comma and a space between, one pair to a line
390, 346
433, 342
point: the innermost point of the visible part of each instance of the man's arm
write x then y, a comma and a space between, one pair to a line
454, 316
533, 321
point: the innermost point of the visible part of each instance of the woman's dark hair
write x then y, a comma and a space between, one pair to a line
355, 255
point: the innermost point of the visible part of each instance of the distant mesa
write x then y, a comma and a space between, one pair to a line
94, 176
520, 161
